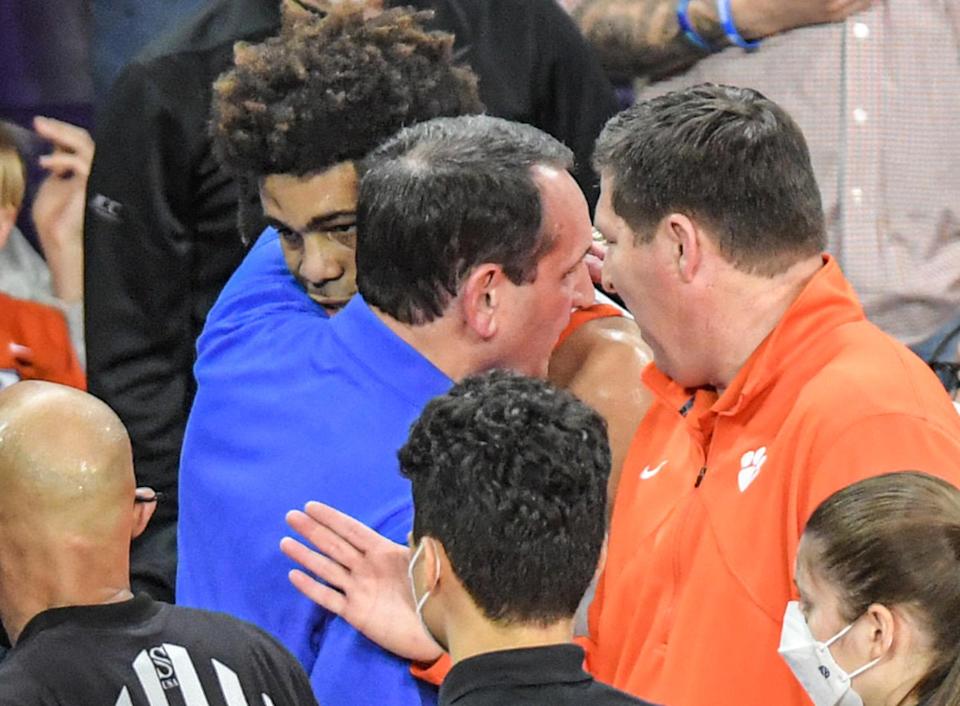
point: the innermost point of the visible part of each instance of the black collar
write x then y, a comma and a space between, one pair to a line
138, 608
555, 664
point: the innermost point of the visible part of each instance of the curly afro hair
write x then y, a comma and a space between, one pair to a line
328, 90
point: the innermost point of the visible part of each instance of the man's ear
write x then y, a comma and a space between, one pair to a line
686, 245
143, 510
482, 299
434, 561
8, 218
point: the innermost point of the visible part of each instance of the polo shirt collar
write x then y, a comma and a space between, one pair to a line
136, 609
554, 664
828, 301
385, 356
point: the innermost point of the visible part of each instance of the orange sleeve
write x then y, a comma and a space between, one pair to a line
433, 673
581, 316
44, 351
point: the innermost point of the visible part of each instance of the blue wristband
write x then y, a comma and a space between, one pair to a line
726, 21
688, 31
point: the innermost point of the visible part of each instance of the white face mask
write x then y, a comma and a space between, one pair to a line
813, 664
422, 601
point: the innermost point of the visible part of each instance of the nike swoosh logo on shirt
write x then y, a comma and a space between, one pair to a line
647, 473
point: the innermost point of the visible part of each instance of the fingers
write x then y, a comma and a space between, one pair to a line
323, 596
319, 565
65, 164
342, 525
326, 540
65, 137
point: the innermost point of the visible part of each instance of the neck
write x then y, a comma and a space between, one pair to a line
33, 582
899, 697
901, 692
752, 306
481, 636
441, 342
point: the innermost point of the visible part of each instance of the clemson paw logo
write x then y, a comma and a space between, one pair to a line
750, 464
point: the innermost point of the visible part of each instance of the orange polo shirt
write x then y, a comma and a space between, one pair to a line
715, 493
690, 604
41, 348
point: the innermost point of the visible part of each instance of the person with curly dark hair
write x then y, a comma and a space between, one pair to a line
321, 95
509, 478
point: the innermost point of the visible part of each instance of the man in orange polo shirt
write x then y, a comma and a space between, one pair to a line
771, 391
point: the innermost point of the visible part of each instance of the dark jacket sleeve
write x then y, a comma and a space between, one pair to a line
576, 98
160, 239
533, 66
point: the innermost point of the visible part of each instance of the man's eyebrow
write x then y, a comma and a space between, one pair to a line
320, 223
276, 223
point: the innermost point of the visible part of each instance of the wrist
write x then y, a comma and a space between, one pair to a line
703, 20
732, 27
65, 262
751, 22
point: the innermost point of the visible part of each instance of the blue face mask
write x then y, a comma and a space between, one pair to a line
813, 664
422, 601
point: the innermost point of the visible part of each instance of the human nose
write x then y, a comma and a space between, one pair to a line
319, 263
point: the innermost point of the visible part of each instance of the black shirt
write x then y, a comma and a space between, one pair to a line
160, 240
539, 675
145, 653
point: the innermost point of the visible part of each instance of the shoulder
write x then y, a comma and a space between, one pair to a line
25, 674
869, 375
225, 632
601, 693
261, 293
599, 348
872, 407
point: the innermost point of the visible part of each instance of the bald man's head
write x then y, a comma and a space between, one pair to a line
65, 464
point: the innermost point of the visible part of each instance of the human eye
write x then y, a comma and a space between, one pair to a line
290, 236
344, 233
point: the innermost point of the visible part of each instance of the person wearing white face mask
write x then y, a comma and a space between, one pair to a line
878, 576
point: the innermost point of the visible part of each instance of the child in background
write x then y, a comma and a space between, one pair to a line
41, 303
